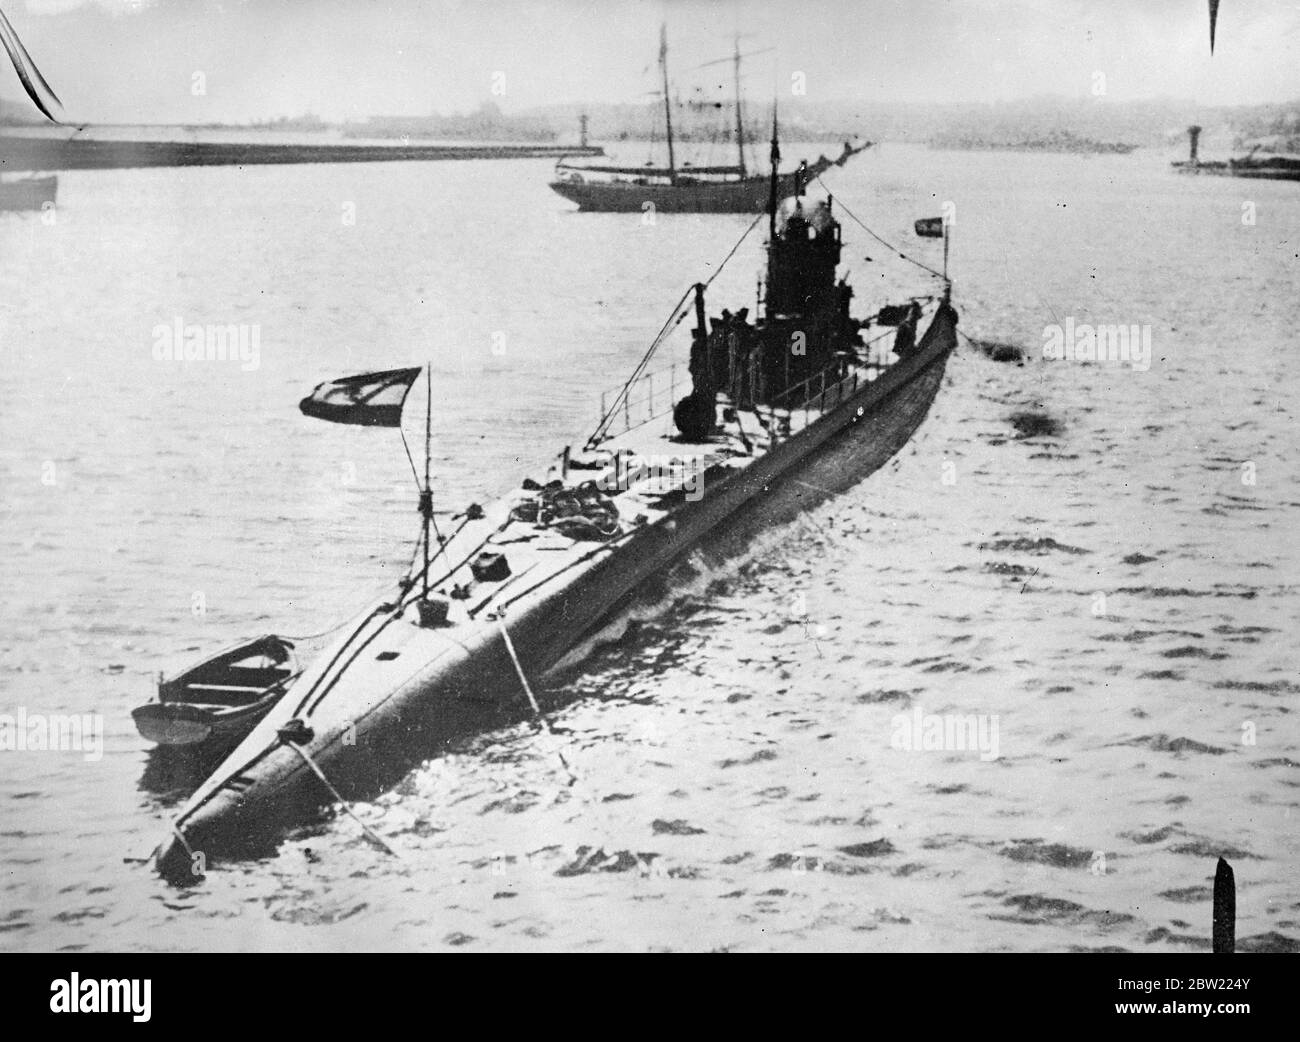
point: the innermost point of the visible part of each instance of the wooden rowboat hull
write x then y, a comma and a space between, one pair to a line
190, 724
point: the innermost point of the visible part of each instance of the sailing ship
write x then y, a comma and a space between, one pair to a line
770, 414
683, 188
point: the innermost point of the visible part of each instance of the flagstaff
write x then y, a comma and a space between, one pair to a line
426, 493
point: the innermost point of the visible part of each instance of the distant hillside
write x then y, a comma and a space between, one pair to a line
1100, 122
704, 122
486, 123
1275, 128
1019, 141
1159, 122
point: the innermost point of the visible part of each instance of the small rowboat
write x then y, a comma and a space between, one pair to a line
219, 701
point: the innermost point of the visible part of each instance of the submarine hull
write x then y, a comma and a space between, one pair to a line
375, 720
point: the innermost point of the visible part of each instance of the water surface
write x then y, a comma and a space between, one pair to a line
738, 785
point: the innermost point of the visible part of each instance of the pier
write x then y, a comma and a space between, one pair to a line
104, 148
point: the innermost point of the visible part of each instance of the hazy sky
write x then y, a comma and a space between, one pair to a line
135, 60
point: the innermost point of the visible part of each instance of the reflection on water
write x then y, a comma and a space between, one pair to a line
1096, 556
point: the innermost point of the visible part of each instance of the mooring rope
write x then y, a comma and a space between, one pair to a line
675, 318
753, 225
369, 832
176, 831
532, 699
888, 245
415, 473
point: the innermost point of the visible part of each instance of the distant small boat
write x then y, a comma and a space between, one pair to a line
683, 188
28, 193
1267, 167
216, 703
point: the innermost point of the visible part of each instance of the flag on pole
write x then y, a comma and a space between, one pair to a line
370, 400
1214, 18
930, 227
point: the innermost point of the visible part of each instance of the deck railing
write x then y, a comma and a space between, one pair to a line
827, 388
648, 397
655, 394
824, 390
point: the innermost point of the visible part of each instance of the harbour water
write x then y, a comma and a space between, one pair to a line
1094, 559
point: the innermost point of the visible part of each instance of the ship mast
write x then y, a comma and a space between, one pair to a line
426, 493
776, 162
668, 104
740, 122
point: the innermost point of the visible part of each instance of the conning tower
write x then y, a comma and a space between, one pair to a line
804, 326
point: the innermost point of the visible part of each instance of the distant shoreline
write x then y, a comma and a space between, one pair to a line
1055, 142
104, 148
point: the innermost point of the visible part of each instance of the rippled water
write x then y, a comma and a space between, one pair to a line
738, 788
